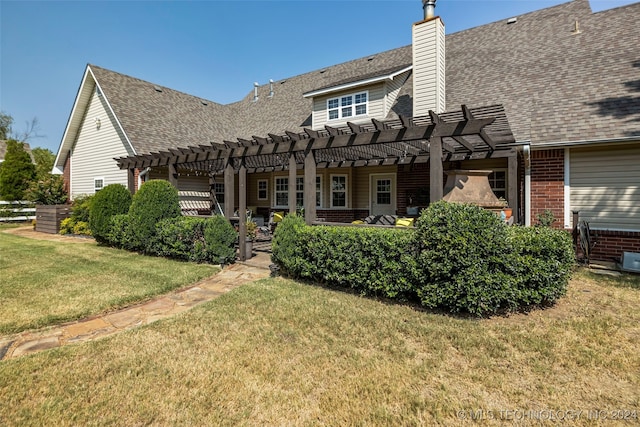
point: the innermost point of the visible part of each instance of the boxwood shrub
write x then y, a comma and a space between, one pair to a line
119, 233
543, 262
465, 260
114, 199
194, 239
371, 261
155, 201
460, 258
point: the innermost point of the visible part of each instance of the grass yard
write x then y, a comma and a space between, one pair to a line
44, 283
277, 352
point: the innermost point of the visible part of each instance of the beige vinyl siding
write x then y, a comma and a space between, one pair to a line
375, 106
94, 150
605, 186
428, 67
393, 88
361, 183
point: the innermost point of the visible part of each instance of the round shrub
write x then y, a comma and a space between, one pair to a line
465, 260
114, 199
220, 238
155, 201
119, 232
544, 259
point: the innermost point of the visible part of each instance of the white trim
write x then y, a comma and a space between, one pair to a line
355, 84
567, 188
527, 185
275, 192
346, 190
394, 192
353, 106
319, 200
560, 144
98, 178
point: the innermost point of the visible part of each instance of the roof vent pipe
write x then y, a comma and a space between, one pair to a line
255, 91
271, 92
429, 7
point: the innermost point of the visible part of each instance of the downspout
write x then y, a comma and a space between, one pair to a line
142, 175
526, 151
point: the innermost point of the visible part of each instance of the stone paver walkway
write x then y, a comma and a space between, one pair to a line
160, 307
142, 314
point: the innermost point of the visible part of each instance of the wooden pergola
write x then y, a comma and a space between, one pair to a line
465, 134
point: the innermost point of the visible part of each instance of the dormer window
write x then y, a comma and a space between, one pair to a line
347, 106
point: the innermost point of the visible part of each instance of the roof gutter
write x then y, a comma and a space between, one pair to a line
356, 84
563, 144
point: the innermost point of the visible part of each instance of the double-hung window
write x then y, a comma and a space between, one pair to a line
282, 191
347, 106
498, 182
98, 184
338, 191
262, 189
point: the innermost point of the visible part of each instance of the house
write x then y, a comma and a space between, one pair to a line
560, 87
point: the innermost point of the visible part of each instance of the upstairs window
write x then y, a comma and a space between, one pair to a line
347, 106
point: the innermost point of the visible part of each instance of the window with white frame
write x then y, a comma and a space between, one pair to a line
98, 184
347, 106
263, 188
282, 191
218, 188
339, 191
498, 182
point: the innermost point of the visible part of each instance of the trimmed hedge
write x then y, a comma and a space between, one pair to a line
114, 199
460, 258
371, 261
209, 240
156, 200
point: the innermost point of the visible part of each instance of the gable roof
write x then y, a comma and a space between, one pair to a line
557, 86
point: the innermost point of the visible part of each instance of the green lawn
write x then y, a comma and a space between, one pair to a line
277, 352
44, 283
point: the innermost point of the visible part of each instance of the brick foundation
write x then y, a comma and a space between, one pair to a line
609, 245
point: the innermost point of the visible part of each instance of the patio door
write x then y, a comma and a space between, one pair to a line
382, 194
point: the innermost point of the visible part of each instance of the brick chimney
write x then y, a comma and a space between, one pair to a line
428, 62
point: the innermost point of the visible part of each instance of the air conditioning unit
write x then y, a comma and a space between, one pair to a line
631, 262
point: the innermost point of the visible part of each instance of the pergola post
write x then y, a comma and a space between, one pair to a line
512, 189
435, 169
309, 187
131, 180
212, 194
173, 174
229, 189
242, 211
293, 170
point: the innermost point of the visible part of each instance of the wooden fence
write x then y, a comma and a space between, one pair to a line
17, 211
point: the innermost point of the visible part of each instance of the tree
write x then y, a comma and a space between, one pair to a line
16, 173
44, 159
5, 126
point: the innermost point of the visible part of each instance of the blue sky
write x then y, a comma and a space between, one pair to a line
212, 49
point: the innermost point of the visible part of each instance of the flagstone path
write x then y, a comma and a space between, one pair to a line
160, 307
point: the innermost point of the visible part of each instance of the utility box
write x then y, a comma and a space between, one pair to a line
631, 262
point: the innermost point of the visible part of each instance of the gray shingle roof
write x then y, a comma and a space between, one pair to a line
556, 86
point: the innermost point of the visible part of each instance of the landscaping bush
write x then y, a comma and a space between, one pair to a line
78, 222
220, 237
112, 200
465, 260
155, 201
544, 259
119, 234
372, 261
460, 258
195, 239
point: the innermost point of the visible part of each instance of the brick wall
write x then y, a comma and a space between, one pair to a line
412, 179
609, 245
346, 215
66, 174
547, 184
